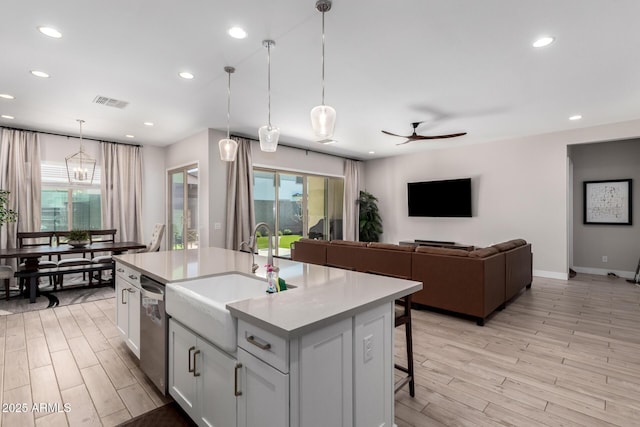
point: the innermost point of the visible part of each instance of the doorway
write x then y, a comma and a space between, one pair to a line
183, 207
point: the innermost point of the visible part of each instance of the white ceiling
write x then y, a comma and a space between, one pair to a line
457, 65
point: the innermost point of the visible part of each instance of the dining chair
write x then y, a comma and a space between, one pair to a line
27, 239
62, 238
6, 274
108, 235
156, 238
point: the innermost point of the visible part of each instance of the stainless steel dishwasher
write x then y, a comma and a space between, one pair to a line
154, 327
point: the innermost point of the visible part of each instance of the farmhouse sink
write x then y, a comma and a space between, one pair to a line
200, 304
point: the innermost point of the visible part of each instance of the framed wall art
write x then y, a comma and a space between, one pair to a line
607, 202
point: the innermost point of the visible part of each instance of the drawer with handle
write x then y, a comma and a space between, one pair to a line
127, 273
266, 346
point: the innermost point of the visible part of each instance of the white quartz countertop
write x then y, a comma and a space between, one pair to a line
322, 295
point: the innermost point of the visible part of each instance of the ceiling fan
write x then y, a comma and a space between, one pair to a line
415, 137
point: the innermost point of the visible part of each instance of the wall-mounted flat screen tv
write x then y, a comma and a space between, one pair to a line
447, 198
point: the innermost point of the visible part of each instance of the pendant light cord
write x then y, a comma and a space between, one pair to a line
322, 57
228, 102
269, 81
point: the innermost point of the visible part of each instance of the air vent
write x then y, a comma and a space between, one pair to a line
110, 102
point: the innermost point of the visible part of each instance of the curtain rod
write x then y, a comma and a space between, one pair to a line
69, 136
299, 148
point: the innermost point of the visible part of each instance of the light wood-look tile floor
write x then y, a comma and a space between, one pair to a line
72, 356
565, 353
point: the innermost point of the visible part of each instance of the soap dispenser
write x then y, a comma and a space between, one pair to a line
272, 279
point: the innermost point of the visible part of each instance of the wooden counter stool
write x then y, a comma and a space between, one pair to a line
403, 317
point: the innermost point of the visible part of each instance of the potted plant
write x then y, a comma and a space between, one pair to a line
6, 215
370, 221
78, 238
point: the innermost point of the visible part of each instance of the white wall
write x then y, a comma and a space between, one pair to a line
293, 159
194, 149
519, 191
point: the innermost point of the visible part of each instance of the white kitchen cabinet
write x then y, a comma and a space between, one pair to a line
202, 378
128, 306
265, 393
318, 388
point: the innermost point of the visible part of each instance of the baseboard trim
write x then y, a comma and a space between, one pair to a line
603, 272
551, 274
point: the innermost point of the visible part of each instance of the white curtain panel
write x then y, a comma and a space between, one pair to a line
20, 174
240, 210
350, 216
121, 193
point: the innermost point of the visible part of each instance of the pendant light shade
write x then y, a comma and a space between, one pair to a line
228, 147
80, 166
268, 134
323, 117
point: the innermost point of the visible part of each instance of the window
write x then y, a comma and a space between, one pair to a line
67, 206
297, 205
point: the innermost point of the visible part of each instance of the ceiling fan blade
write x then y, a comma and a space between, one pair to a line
406, 142
452, 135
394, 134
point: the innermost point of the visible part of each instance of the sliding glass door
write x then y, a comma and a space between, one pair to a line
297, 205
183, 210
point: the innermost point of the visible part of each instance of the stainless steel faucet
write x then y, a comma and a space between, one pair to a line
253, 243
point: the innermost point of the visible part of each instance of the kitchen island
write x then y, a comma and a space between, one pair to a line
320, 353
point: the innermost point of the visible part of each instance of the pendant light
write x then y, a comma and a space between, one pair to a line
323, 117
268, 134
80, 166
228, 147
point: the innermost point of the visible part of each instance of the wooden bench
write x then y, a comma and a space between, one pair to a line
33, 275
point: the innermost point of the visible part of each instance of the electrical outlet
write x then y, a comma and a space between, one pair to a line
368, 347
605, 258
217, 226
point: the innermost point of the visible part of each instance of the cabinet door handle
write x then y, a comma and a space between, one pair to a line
122, 300
189, 361
236, 392
252, 340
120, 270
132, 277
195, 370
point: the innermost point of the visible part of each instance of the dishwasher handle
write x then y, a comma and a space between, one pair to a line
152, 290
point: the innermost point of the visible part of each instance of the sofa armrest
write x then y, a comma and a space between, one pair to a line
472, 286
518, 265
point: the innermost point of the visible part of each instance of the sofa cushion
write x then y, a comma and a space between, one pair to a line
321, 242
504, 246
391, 246
518, 242
348, 243
483, 252
442, 251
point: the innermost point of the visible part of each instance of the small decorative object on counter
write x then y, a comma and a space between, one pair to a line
272, 280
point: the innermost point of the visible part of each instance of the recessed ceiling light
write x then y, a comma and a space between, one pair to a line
39, 74
186, 75
148, 123
51, 32
7, 96
129, 136
372, 152
576, 117
237, 33
543, 41
4, 116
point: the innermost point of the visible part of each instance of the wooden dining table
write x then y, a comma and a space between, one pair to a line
32, 254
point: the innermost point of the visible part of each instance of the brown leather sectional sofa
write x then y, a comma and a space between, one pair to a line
474, 283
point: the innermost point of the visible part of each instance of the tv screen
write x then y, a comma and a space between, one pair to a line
448, 198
